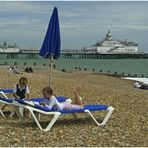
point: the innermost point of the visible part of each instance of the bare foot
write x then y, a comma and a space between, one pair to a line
77, 90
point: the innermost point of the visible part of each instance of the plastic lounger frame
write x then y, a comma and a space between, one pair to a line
9, 102
4, 102
57, 114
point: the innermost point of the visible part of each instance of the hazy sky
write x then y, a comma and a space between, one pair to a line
81, 23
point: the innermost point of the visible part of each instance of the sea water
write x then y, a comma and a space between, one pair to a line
126, 66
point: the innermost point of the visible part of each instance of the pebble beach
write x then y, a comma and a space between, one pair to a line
128, 125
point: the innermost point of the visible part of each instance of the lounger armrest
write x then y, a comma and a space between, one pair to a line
25, 102
31, 103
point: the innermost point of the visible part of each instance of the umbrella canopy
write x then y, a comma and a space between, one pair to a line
52, 42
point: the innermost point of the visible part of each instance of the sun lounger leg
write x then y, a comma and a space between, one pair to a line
35, 119
56, 116
87, 111
110, 111
1, 112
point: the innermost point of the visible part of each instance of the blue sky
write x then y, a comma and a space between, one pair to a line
81, 23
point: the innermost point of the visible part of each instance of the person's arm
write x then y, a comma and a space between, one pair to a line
16, 96
27, 96
27, 93
51, 104
14, 93
42, 103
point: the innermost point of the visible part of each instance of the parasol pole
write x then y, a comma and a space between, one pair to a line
50, 69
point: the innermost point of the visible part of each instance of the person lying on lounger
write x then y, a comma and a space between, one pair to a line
140, 85
52, 103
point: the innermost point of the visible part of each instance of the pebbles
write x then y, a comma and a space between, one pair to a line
127, 126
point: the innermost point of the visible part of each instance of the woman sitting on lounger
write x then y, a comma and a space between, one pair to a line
52, 103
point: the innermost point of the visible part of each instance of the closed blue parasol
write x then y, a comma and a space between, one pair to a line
52, 43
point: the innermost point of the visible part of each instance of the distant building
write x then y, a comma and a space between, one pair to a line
5, 48
110, 45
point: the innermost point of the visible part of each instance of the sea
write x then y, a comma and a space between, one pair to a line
133, 67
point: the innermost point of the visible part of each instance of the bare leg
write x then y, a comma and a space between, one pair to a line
78, 100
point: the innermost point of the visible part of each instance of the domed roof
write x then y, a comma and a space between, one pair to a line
109, 35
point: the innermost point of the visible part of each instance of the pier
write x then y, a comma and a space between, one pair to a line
103, 56
75, 55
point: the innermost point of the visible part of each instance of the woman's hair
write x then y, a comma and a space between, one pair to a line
23, 81
48, 90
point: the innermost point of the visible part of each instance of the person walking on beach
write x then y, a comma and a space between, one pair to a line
52, 103
21, 91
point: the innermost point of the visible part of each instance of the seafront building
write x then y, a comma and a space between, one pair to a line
5, 48
110, 45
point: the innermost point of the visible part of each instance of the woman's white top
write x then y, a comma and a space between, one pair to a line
53, 103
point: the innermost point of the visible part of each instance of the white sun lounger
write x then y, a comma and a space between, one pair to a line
56, 114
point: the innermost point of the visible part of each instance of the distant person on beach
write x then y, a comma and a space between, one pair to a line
11, 69
140, 85
29, 70
136, 85
21, 91
52, 103
26, 69
14, 69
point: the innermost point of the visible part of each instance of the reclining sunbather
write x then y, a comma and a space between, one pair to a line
140, 85
52, 103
